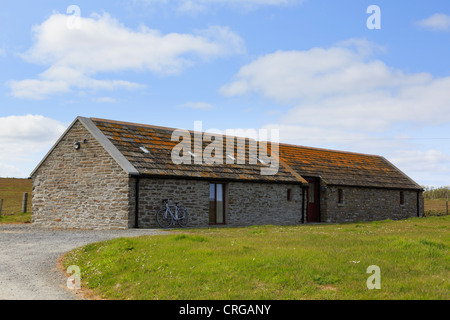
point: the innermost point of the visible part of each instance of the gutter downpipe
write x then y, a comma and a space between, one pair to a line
303, 204
136, 203
418, 204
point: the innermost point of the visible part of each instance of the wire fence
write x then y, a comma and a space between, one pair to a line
437, 207
10, 206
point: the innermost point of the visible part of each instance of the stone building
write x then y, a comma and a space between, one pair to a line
104, 174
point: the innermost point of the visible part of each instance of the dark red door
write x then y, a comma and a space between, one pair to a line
313, 201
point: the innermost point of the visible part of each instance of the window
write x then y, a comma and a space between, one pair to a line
402, 198
144, 149
340, 196
216, 203
288, 194
231, 157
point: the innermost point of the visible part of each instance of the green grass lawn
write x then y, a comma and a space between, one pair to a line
16, 218
274, 262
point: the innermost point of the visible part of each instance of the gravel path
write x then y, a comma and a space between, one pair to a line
28, 258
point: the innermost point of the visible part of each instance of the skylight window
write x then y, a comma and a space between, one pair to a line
145, 150
231, 157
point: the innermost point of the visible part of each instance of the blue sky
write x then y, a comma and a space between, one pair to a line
310, 68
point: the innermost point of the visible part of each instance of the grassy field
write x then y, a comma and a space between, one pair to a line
11, 191
274, 262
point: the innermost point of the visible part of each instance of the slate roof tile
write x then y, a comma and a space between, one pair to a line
128, 138
296, 162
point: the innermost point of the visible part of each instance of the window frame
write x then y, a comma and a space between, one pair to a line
224, 188
402, 198
340, 198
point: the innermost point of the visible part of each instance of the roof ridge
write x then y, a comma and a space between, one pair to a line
279, 143
134, 124
164, 128
330, 150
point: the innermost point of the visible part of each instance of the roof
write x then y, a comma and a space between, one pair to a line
345, 168
128, 138
124, 140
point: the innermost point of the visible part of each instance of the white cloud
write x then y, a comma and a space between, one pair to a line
8, 171
105, 100
103, 45
202, 6
437, 22
197, 105
340, 87
30, 127
431, 167
38, 89
423, 161
342, 97
23, 140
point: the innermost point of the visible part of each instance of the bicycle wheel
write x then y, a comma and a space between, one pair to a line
164, 218
183, 217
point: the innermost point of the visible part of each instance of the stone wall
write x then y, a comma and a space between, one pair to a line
368, 204
192, 194
262, 203
246, 203
82, 188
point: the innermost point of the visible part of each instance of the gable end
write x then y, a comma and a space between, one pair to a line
104, 142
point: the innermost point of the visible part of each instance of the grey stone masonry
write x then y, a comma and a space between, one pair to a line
245, 203
82, 188
192, 194
263, 203
369, 204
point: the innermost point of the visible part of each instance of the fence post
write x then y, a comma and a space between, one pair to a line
25, 202
1, 206
446, 204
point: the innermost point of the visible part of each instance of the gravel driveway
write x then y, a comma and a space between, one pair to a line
28, 258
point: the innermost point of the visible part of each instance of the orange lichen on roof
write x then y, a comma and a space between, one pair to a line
129, 137
295, 162
345, 168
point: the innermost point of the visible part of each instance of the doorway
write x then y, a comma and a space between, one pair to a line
313, 200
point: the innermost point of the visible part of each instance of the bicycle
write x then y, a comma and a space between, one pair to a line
166, 217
